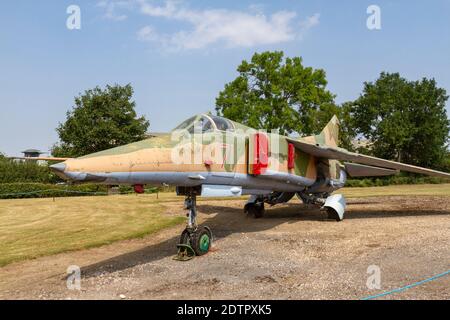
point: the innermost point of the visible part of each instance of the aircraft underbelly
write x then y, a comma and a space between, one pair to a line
275, 181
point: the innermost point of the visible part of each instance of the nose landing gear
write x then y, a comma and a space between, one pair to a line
194, 240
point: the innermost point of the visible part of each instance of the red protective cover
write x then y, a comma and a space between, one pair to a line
139, 188
291, 156
261, 153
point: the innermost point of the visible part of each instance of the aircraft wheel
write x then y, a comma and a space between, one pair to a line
333, 215
256, 210
185, 237
201, 241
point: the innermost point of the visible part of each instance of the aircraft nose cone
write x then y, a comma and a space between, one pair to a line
59, 167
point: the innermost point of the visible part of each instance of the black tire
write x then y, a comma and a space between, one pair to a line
201, 241
333, 215
185, 237
256, 210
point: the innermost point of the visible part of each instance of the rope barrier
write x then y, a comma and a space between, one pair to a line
415, 284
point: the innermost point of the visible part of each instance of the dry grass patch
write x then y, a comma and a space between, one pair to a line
398, 190
30, 228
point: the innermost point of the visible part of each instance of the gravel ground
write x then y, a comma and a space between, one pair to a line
291, 253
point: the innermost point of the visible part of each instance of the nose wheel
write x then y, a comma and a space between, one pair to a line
194, 240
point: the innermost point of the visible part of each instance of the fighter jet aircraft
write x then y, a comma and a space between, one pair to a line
212, 156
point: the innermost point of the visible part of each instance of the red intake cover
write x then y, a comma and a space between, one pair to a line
291, 156
261, 153
139, 188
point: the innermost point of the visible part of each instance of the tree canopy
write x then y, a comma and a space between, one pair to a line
273, 92
405, 120
101, 119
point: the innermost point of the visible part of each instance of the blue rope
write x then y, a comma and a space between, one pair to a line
408, 286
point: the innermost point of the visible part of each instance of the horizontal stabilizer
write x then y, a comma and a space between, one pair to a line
336, 153
355, 170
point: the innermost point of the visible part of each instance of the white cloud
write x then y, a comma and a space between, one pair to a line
310, 22
147, 34
168, 10
207, 27
110, 7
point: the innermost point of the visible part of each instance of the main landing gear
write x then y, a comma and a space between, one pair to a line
255, 207
194, 240
334, 205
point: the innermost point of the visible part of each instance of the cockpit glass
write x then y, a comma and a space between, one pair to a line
185, 124
203, 123
222, 123
206, 125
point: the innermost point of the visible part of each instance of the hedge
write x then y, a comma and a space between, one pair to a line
26, 171
42, 190
394, 180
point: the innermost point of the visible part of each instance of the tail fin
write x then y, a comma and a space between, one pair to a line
330, 134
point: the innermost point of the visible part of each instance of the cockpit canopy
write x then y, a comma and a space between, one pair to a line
207, 123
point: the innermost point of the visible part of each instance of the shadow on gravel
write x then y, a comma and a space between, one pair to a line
131, 259
364, 214
225, 221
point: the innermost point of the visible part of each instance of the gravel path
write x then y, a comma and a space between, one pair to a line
292, 253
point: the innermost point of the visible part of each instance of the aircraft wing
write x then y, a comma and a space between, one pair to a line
336, 153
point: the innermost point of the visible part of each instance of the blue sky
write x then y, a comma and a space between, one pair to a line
179, 55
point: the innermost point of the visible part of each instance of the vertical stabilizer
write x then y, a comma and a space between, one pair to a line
330, 134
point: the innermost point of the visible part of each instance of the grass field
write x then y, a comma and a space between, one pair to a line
399, 190
30, 228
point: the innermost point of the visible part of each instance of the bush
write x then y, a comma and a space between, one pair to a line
403, 178
25, 171
124, 189
41, 190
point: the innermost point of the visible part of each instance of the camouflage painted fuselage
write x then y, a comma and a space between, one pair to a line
214, 157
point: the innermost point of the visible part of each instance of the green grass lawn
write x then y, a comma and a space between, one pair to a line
398, 190
31, 228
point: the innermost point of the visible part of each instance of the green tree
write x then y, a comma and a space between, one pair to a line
446, 163
348, 131
405, 120
276, 93
101, 119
